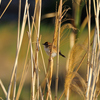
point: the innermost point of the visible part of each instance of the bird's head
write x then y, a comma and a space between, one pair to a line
46, 44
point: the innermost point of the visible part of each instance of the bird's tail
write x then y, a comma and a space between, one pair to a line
61, 54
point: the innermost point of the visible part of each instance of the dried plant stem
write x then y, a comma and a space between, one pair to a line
67, 67
97, 20
3, 88
50, 65
51, 71
61, 95
41, 95
37, 15
32, 60
19, 14
14, 89
17, 55
93, 63
89, 30
5, 8
93, 70
31, 49
37, 44
96, 55
67, 97
58, 45
88, 59
49, 90
23, 76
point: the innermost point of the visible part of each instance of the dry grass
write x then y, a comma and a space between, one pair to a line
88, 50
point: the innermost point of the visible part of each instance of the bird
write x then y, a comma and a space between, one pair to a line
48, 47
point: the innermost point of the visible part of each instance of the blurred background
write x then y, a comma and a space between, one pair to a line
8, 41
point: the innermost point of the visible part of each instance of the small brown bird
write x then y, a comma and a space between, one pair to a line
48, 47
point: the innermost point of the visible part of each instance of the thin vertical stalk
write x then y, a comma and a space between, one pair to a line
94, 66
89, 30
67, 97
19, 14
50, 65
30, 42
58, 45
89, 70
23, 75
67, 70
97, 69
17, 55
37, 45
32, 59
97, 20
38, 18
41, 95
98, 9
45, 72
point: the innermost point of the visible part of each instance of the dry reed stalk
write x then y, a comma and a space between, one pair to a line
58, 45
97, 20
89, 30
19, 16
95, 67
37, 16
51, 71
31, 49
67, 97
32, 60
95, 56
33, 54
50, 62
88, 59
3, 88
41, 94
14, 89
18, 35
24, 73
5, 8
49, 90
61, 95
25, 67
67, 67
49, 74
93, 71
17, 55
